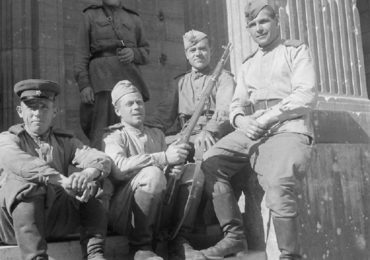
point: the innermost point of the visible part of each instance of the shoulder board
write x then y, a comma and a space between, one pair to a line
293, 43
250, 56
113, 127
16, 129
92, 7
182, 74
62, 132
130, 11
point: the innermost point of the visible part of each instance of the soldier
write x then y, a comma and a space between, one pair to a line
140, 156
38, 199
212, 125
111, 44
274, 94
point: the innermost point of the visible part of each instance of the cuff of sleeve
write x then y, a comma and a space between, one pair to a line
232, 119
160, 159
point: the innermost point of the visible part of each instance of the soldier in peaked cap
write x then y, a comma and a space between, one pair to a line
111, 45
39, 199
140, 156
269, 111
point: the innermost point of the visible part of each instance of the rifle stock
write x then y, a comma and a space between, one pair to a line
187, 131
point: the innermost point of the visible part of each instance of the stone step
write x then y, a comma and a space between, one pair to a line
116, 248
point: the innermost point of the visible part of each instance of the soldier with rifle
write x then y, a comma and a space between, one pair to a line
140, 156
211, 124
110, 46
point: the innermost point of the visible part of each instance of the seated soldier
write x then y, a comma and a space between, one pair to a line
38, 199
140, 156
212, 124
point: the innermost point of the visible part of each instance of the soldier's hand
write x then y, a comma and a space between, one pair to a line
87, 95
253, 129
177, 152
89, 192
176, 171
80, 180
66, 184
126, 55
204, 140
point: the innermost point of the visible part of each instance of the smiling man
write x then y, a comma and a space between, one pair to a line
37, 197
140, 156
270, 111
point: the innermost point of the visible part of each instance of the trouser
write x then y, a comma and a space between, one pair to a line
95, 117
51, 214
279, 161
135, 205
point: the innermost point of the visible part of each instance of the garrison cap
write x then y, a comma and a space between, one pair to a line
192, 37
36, 88
253, 7
121, 89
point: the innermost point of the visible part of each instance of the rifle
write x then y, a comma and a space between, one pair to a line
187, 132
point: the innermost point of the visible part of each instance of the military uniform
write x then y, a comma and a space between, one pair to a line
285, 87
32, 209
188, 91
97, 65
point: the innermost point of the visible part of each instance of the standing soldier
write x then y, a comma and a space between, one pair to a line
111, 44
274, 94
212, 125
38, 200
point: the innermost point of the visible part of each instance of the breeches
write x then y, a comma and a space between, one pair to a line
61, 213
150, 180
279, 162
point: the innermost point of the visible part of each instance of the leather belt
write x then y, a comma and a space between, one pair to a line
185, 118
107, 53
265, 104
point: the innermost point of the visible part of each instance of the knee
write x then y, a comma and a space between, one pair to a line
152, 180
282, 201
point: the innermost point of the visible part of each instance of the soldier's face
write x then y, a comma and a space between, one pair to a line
130, 108
37, 115
199, 55
112, 2
264, 29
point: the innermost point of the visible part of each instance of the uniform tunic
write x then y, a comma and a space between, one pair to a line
139, 160
96, 36
282, 72
188, 92
28, 163
97, 65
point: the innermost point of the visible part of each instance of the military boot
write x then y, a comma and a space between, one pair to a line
93, 247
286, 230
93, 218
29, 227
146, 208
229, 216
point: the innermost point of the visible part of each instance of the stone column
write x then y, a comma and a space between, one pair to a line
31, 47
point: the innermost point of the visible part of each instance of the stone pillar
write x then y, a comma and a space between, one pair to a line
31, 47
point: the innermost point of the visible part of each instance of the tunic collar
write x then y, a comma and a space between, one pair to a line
200, 73
272, 45
135, 130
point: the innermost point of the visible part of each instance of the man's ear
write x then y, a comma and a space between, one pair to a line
116, 110
19, 111
55, 111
